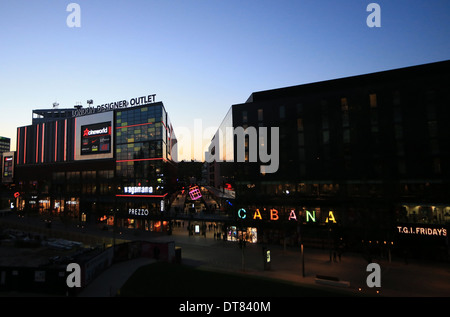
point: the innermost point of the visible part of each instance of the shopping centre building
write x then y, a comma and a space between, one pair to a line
363, 158
97, 163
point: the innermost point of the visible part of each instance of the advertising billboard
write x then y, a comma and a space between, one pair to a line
96, 138
8, 167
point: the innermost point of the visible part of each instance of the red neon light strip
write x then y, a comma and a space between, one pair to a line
25, 147
165, 126
43, 139
56, 139
134, 125
75, 139
137, 160
147, 196
37, 143
18, 145
65, 139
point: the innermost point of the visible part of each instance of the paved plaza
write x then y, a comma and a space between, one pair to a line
398, 278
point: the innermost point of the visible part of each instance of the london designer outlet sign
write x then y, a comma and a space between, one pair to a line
137, 101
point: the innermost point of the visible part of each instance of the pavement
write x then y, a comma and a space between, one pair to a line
398, 279
416, 278
109, 282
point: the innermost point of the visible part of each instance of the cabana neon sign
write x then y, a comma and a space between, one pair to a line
274, 215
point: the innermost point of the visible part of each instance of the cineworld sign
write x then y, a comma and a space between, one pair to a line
105, 130
137, 101
274, 215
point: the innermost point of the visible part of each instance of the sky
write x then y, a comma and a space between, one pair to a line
200, 56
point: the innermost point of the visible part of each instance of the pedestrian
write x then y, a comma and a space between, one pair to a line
340, 250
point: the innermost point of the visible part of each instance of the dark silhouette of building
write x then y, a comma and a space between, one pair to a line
373, 149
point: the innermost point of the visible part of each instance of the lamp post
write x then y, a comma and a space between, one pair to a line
302, 254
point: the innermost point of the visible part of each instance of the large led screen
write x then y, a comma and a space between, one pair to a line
96, 138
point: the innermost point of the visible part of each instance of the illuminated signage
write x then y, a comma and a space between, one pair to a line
422, 231
7, 167
137, 101
138, 190
138, 211
96, 138
194, 193
274, 215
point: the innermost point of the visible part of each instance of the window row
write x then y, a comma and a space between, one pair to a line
139, 133
139, 150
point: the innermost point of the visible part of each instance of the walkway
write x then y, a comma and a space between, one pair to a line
109, 282
424, 279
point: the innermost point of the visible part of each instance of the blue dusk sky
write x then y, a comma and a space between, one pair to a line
200, 56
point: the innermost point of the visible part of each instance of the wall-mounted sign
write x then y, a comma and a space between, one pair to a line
422, 231
138, 190
96, 138
138, 211
274, 215
137, 101
194, 193
8, 167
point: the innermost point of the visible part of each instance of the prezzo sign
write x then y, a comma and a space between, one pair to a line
137, 101
422, 231
274, 215
138, 211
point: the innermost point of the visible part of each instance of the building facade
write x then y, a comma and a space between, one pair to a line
363, 157
5, 144
100, 164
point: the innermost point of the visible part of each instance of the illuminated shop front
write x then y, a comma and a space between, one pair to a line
144, 217
422, 230
431, 214
249, 234
257, 224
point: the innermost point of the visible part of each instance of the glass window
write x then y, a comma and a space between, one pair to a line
326, 136
398, 131
434, 146
346, 135
345, 120
301, 139
432, 129
325, 122
299, 124
282, 113
373, 100
260, 115
437, 165
400, 148
396, 99
344, 104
